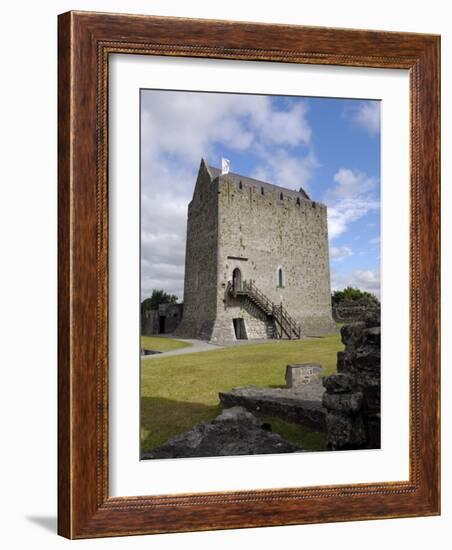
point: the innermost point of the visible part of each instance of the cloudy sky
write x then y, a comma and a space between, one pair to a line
330, 147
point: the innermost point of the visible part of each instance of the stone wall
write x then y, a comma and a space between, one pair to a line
163, 320
264, 230
200, 280
351, 311
150, 322
352, 396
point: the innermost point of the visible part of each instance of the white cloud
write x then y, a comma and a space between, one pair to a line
367, 280
285, 170
188, 125
353, 196
352, 183
367, 116
163, 230
288, 127
375, 240
338, 253
177, 129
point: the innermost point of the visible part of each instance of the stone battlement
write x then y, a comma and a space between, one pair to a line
271, 194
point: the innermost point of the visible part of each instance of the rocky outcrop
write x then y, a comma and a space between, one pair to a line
352, 396
234, 432
302, 404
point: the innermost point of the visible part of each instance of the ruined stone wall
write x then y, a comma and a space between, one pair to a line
262, 230
151, 320
353, 395
172, 314
200, 285
150, 323
352, 311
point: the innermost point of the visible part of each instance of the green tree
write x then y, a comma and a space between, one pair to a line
351, 294
158, 296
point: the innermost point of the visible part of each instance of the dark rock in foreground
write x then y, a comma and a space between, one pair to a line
234, 432
301, 405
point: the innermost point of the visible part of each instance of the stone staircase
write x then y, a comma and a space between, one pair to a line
285, 325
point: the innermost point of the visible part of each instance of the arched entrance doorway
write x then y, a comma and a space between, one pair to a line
237, 279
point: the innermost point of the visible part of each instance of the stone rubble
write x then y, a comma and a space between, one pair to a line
234, 432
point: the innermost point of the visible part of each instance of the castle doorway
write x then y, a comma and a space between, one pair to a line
237, 279
239, 329
162, 320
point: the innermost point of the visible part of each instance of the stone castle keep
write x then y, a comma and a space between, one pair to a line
257, 261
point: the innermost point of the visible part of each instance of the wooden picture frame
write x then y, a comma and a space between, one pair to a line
85, 42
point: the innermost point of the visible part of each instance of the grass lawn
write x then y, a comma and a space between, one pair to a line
180, 391
157, 343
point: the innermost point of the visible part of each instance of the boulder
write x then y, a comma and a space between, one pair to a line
234, 432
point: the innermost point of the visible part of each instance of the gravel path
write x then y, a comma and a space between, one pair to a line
196, 346
204, 345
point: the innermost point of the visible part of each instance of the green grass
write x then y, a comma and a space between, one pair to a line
178, 392
157, 343
307, 439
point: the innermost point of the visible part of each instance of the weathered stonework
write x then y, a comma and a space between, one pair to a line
234, 432
352, 396
277, 238
306, 373
352, 311
163, 320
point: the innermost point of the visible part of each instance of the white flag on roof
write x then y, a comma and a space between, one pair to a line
225, 166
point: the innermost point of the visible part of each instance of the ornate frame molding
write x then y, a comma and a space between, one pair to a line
85, 42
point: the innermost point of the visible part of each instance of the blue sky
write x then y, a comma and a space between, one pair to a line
330, 147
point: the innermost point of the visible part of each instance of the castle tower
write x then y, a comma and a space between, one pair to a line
257, 261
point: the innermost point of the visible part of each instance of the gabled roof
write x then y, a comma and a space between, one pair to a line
269, 187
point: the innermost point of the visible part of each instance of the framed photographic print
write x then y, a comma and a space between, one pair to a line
248, 275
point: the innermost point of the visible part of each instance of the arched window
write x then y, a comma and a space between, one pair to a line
237, 279
240, 185
262, 190
298, 201
280, 277
281, 196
